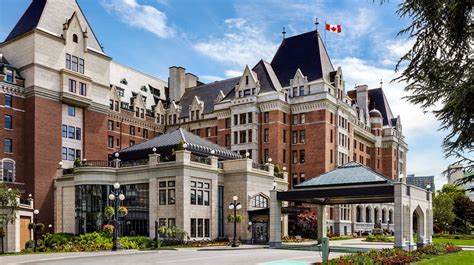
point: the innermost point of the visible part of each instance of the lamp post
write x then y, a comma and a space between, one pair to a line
116, 196
50, 228
35, 229
235, 205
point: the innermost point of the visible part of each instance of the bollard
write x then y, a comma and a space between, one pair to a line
325, 248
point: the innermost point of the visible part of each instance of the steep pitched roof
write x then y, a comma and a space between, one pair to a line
266, 76
378, 100
166, 142
50, 15
206, 93
305, 51
350, 173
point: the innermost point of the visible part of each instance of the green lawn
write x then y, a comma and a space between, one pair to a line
457, 242
459, 258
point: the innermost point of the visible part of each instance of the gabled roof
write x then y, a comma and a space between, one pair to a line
206, 93
305, 51
266, 76
168, 141
50, 15
350, 173
378, 100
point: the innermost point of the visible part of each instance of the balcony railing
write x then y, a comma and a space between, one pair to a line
131, 163
278, 175
97, 163
200, 159
260, 166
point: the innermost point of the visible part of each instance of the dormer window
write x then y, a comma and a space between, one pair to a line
301, 90
295, 92
74, 38
9, 75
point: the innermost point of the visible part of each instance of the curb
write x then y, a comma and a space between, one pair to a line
232, 249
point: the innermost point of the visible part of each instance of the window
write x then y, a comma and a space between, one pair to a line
266, 117
294, 179
81, 65
171, 222
295, 92
301, 90
132, 130
64, 153
72, 86
132, 143
74, 38
206, 227
8, 122
206, 197
249, 136
295, 119
71, 154
171, 196
284, 136
295, 157
259, 201
227, 140
294, 137
82, 89
243, 118
246, 80
162, 195
75, 63
302, 177
8, 100
72, 132
110, 141
227, 123
302, 118
302, 156
64, 131
68, 61
200, 197
284, 155
331, 136
71, 111
208, 132
200, 227
266, 135
331, 155
284, 118
193, 227
193, 195
332, 118
110, 125
266, 155
9, 75
8, 171
236, 138
302, 136
145, 133
236, 119
78, 154
249, 119
78, 133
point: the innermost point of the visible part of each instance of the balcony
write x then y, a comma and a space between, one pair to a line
71, 97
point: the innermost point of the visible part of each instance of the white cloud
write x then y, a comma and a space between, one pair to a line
242, 44
233, 73
209, 78
140, 16
399, 48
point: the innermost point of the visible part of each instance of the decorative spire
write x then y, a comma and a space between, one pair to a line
381, 82
316, 23
283, 33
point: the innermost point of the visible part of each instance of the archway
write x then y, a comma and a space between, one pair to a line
418, 226
359, 214
368, 214
376, 215
384, 215
390, 216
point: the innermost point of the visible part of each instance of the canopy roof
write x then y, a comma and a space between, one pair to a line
347, 184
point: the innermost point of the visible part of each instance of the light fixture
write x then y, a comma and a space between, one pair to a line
185, 145
247, 154
213, 152
36, 211
269, 160
154, 150
231, 206
30, 195
84, 160
121, 197
50, 225
284, 168
116, 185
117, 155
239, 206
428, 187
250, 223
111, 197
9, 190
235, 198
60, 164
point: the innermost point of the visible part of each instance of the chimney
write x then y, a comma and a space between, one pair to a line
191, 80
176, 82
363, 100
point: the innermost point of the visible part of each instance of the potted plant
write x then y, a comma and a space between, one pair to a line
109, 212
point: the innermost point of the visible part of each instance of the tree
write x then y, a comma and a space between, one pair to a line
443, 214
464, 211
439, 68
8, 204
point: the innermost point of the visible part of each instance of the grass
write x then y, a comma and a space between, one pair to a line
457, 242
459, 258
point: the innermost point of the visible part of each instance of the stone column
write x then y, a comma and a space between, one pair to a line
183, 156
153, 159
214, 161
401, 224
322, 227
275, 220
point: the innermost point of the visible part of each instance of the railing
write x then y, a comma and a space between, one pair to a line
260, 166
278, 175
131, 163
67, 171
25, 201
97, 163
200, 159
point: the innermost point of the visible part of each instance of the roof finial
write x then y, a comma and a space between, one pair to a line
381, 82
283, 32
316, 23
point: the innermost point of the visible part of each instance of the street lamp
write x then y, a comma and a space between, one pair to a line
235, 206
116, 193
35, 229
50, 227
428, 187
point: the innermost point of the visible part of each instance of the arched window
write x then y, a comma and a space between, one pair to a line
260, 201
359, 214
8, 170
368, 218
390, 216
74, 38
384, 220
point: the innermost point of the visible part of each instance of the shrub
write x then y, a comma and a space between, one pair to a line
378, 238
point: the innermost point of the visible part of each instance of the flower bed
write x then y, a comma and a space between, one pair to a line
394, 256
379, 238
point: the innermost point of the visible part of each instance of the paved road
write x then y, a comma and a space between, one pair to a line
184, 256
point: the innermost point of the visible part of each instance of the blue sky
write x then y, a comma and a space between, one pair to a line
214, 39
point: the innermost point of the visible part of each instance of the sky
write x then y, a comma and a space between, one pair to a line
215, 39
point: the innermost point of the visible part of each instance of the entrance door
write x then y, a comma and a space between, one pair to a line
25, 234
260, 232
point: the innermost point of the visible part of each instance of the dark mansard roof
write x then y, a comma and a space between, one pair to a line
378, 100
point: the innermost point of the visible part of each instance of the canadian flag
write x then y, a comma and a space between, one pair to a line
333, 28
